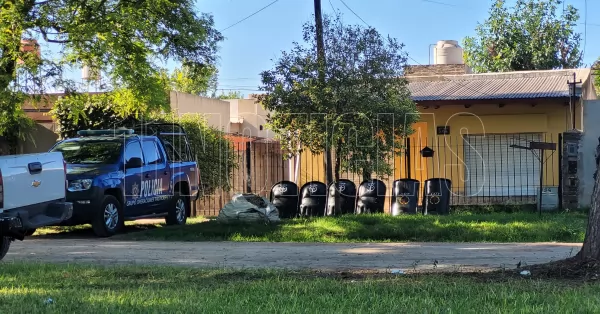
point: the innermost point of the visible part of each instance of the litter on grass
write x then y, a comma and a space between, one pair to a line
248, 208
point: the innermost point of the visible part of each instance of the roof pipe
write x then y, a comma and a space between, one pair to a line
430, 52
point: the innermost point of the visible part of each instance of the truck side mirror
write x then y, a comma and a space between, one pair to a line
134, 162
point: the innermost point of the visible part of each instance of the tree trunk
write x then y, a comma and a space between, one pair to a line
12, 44
337, 197
366, 174
591, 243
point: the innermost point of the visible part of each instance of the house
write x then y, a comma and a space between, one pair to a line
481, 123
480, 127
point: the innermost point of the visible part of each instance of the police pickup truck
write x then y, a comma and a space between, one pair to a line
125, 174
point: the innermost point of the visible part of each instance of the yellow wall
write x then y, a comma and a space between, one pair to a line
312, 165
312, 168
549, 119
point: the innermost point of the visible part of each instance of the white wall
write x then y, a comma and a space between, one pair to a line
589, 142
217, 111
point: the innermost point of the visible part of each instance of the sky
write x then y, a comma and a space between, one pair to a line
250, 46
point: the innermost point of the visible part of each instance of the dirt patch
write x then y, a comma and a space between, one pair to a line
568, 269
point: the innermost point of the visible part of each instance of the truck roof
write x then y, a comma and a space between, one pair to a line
110, 138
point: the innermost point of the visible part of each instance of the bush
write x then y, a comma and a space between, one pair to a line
87, 111
214, 153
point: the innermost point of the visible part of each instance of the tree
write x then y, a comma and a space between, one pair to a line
365, 108
596, 73
529, 36
195, 81
122, 39
231, 95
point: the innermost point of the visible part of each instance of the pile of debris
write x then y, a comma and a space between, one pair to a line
248, 208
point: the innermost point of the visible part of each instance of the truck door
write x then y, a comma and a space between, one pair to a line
134, 200
156, 177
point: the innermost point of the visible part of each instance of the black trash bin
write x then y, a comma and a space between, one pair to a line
371, 197
284, 195
313, 199
347, 191
436, 196
405, 196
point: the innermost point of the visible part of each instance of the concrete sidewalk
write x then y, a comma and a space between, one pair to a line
363, 256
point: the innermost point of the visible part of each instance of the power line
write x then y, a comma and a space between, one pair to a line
240, 79
249, 16
584, 29
332, 7
360, 18
442, 3
239, 89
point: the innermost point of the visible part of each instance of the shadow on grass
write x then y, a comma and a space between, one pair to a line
84, 231
497, 227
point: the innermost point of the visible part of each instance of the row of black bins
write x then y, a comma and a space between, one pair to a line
315, 199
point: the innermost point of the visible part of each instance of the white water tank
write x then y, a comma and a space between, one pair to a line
448, 52
89, 74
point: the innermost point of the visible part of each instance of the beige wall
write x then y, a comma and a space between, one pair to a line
217, 111
42, 139
254, 116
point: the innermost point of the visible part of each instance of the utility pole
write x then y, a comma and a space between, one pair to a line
572, 94
321, 61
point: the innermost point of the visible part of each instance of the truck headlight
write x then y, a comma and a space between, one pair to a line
80, 185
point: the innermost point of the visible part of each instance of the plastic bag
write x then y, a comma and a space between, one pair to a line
248, 208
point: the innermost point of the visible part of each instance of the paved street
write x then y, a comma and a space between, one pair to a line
375, 256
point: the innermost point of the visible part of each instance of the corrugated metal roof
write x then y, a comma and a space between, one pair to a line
508, 85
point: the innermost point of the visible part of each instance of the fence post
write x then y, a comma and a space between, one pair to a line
560, 171
248, 168
407, 158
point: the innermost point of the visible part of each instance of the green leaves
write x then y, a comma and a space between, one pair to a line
528, 36
597, 75
194, 79
361, 112
214, 153
126, 41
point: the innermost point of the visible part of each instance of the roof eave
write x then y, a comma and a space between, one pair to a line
496, 101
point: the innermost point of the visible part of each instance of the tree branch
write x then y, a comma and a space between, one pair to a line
56, 41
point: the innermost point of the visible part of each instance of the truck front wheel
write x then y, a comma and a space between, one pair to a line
4, 246
108, 220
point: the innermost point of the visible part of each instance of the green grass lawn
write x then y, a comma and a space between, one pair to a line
496, 227
25, 288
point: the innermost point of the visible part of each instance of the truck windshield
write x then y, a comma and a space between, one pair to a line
90, 152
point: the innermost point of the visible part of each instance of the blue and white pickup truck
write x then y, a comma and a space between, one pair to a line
124, 174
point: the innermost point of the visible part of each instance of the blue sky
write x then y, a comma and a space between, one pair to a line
250, 46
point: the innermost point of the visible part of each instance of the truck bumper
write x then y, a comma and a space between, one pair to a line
85, 205
15, 223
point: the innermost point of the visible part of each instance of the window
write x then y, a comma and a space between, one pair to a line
133, 150
176, 148
151, 153
89, 152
